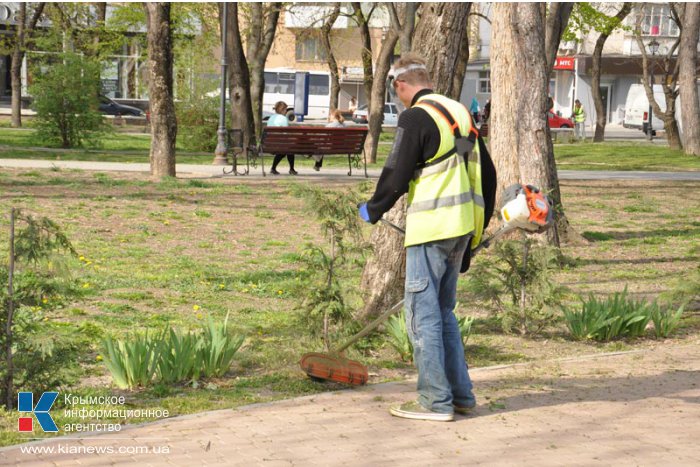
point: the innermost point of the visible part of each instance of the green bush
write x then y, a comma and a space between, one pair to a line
398, 336
609, 318
172, 356
516, 284
665, 321
66, 102
45, 354
197, 123
325, 305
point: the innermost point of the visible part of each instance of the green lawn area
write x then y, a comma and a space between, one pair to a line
175, 252
133, 147
623, 156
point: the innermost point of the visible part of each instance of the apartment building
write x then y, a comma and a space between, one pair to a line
297, 45
572, 75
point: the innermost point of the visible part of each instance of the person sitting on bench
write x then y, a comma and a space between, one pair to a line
280, 119
336, 120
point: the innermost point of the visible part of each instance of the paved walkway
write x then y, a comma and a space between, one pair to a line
634, 408
203, 170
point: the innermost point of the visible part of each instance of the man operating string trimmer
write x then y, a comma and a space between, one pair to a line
451, 186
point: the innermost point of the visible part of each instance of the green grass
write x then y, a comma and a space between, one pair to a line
134, 148
623, 156
174, 252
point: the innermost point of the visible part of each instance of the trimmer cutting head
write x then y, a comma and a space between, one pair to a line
334, 368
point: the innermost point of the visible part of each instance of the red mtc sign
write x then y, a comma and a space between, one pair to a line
564, 63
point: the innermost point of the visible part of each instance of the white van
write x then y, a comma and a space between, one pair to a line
637, 107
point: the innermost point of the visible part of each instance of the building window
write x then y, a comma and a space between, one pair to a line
309, 49
484, 83
658, 21
318, 85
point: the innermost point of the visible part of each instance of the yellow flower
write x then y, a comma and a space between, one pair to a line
222, 286
81, 258
279, 292
44, 300
88, 263
98, 358
166, 222
196, 307
86, 285
199, 316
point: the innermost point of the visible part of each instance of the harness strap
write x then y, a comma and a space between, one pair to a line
454, 126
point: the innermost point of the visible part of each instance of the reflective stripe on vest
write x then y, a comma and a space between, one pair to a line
445, 200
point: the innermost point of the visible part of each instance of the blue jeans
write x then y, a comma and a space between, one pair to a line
431, 295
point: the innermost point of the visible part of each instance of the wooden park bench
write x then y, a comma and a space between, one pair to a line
315, 141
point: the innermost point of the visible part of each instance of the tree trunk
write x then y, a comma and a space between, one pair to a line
688, 57
557, 20
368, 68
600, 111
668, 82
16, 69
259, 41
505, 78
520, 140
160, 90
377, 97
24, 29
451, 19
330, 56
384, 274
461, 69
239, 80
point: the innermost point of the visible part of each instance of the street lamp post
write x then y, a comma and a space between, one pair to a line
653, 48
221, 149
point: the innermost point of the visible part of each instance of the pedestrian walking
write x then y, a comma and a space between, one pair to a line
445, 218
579, 117
280, 119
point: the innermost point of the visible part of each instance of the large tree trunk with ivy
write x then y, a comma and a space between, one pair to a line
601, 117
261, 34
688, 57
384, 273
160, 90
24, 29
330, 56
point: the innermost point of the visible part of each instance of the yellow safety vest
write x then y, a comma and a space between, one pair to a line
444, 199
579, 115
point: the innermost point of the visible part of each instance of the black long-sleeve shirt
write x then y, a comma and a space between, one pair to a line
417, 140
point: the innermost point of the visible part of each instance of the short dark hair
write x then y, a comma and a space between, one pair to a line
280, 107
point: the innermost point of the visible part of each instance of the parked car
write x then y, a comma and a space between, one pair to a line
391, 114
109, 107
555, 121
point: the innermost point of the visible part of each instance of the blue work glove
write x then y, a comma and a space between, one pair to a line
363, 211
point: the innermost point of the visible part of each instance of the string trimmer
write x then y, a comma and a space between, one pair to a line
524, 207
